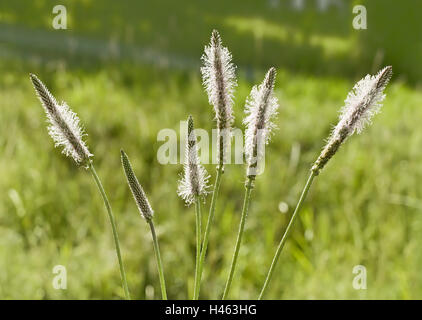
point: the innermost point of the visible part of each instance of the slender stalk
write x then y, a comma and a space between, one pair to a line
158, 258
287, 232
113, 227
246, 201
207, 230
198, 240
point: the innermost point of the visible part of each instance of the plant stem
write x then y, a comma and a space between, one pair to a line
113, 227
207, 230
159, 263
198, 241
246, 201
287, 232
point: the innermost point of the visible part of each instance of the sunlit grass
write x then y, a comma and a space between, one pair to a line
350, 217
366, 209
263, 29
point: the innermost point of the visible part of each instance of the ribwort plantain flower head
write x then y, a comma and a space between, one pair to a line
194, 182
218, 75
361, 104
261, 108
137, 191
64, 126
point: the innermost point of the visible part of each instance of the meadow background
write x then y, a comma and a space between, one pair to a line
130, 69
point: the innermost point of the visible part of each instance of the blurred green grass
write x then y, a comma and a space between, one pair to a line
363, 209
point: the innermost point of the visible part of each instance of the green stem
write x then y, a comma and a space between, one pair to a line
198, 241
246, 201
158, 258
207, 230
287, 232
113, 227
